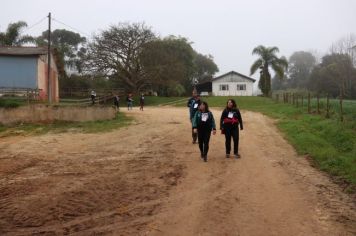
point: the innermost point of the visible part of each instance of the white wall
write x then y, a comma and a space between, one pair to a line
233, 89
232, 80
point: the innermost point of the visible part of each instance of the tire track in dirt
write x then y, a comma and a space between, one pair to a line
84, 184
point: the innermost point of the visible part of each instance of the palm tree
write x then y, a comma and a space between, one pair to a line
12, 35
268, 58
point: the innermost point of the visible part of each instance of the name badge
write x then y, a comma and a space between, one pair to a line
230, 115
196, 105
204, 117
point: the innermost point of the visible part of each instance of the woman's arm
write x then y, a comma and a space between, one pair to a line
213, 126
223, 115
195, 120
240, 119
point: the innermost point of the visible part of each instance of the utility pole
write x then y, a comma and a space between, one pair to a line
49, 92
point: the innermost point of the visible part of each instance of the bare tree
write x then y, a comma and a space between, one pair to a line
345, 45
116, 53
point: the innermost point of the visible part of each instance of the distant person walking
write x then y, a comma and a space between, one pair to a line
117, 102
193, 104
203, 124
93, 96
129, 101
229, 124
142, 102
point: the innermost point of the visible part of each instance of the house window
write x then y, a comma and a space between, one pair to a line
224, 87
241, 87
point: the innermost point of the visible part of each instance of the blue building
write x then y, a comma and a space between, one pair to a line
26, 68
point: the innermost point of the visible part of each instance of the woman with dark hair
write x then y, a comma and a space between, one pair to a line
229, 125
203, 123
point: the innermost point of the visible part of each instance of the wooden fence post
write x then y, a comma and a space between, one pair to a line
318, 105
341, 109
309, 103
327, 106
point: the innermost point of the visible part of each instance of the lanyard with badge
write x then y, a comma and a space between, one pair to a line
204, 117
230, 115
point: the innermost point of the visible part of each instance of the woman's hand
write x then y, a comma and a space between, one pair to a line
214, 132
195, 131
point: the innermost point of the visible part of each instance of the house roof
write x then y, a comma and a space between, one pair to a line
233, 72
23, 51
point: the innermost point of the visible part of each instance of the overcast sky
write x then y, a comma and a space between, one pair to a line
226, 29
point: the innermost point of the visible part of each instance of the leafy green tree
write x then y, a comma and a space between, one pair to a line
69, 49
12, 36
268, 58
335, 75
205, 67
301, 65
169, 63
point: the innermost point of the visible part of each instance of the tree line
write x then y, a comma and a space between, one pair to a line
333, 75
126, 55
133, 57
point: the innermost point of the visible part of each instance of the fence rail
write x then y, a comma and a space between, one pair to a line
79, 92
108, 99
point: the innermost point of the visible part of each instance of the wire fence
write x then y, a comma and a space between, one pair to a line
343, 110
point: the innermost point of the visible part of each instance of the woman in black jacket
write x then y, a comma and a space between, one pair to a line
203, 124
229, 125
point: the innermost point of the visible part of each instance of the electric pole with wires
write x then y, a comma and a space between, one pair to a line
49, 92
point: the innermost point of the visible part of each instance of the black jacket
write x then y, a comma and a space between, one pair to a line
209, 123
193, 106
236, 115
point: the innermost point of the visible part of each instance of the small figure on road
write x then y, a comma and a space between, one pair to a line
117, 102
93, 96
129, 101
142, 102
229, 125
203, 124
193, 104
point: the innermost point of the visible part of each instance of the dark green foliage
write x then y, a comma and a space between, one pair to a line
335, 75
68, 47
12, 35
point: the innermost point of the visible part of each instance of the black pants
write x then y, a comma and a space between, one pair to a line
92, 99
234, 133
203, 139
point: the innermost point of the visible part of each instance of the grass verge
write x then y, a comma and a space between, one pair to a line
10, 103
121, 120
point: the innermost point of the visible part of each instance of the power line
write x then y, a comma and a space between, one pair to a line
35, 24
73, 28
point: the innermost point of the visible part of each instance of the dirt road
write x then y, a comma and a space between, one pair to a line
148, 179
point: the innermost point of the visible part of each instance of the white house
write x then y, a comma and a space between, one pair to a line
229, 84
